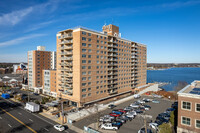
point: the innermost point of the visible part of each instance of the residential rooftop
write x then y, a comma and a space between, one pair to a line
191, 90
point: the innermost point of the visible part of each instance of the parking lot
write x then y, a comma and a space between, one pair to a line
130, 126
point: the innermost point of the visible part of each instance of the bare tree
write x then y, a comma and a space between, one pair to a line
180, 85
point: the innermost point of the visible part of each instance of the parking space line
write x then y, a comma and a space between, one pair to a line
9, 125
30, 120
19, 113
1, 118
46, 129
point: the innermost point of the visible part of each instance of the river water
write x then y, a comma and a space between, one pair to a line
173, 76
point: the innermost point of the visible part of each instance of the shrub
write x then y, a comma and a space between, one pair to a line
165, 128
172, 118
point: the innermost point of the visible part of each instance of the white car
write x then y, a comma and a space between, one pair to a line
136, 96
140, 101
59, 127
134, 105
154, 125
108, 126
132, 113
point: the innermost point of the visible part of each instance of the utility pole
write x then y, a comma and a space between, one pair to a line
145, 122
62, 113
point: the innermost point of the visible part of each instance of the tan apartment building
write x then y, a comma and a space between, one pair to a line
189, 108
93, 66
39, 60
49, 82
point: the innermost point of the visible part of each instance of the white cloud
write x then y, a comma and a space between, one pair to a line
14, 17
39, 26
19, 40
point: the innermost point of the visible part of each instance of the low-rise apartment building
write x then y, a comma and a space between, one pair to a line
49, 82
189, 108
39, 60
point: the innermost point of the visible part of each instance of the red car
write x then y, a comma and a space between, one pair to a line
113, 114
121, 110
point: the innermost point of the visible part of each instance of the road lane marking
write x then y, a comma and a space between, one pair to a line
46, 129
9, 125
30, 120
19, 113
1, 118
18, 121
11, 108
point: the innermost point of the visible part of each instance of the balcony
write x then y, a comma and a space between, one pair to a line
110, 40
66, 36
66, 58
66, 42
110, 45
66, 53
65, 64
66, 47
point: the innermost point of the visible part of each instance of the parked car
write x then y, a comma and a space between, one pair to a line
121, 110
155, 101
117, 112
107, 120
164, 115
59, 127
130, 115
142, 130
134, 105
128, 109
154, 126
113, 114
132, 112
170, 110
140, 101
162, 119
108, 116
159, 122
136, 96
146, 100
120, 120
117, 123
111, 106
139, 111
125, 118
109, 126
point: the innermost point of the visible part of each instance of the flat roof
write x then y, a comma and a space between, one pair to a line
191, 90
98, 32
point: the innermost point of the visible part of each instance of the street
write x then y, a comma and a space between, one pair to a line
13, 118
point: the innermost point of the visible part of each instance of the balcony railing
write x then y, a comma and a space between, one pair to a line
66, 36
65, 53
66, 47
66, 58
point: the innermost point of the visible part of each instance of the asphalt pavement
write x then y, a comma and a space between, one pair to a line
13, 118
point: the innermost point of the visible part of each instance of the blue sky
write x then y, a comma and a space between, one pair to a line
169, 28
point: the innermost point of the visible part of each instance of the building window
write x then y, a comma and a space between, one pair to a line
83, 38
89, 34
89, 39
83, 84
83, 61
83, 50
83, 67
89, 50
186, 105
83, 55
185, 121
197, 123
83, 90
89, 94
84, 95
198, 107
83, 33
89, 45
83, 73
89, 56
84, 44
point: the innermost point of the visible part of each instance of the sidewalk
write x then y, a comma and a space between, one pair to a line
57, 120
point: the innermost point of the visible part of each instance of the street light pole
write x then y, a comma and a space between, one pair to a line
62, 113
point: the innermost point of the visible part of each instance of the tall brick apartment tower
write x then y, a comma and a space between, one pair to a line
39, 60
93, 66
